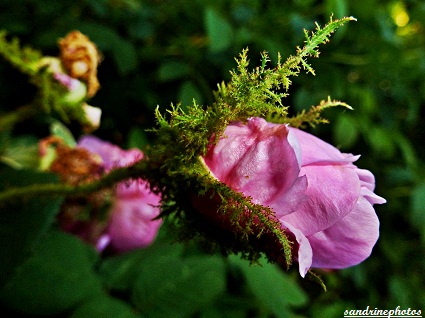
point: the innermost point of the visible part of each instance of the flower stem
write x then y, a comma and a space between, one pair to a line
8, 120
52, 189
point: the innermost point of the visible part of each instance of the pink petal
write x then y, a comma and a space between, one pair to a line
131, 225
258, 160
317, 151
69, 82
349, 241
305, 253
366, 177
103, 242
371, 197
286, 202
332, 193
139, 187
112, 155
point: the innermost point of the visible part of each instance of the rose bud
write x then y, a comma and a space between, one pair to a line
318, 195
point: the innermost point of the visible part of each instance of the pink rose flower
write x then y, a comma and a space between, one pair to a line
315, 191
134, 207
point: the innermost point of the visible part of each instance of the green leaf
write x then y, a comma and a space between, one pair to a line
60, 130
124, 52
23, 222
137, 138
274, 288
58, 277
382, 141
407, 150
142, 27
345, 131
368, 105
401, 291
328, 310
178, 287
337, 7
187, 93
417, 215
125, 55
219, 30
103, 306
103, 35
23, 58
21, 152
120, 271
100, 8
172, 70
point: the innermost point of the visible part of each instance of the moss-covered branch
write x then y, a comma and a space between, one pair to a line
51, 189
22, 113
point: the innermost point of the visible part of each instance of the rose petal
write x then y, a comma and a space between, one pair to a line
222, 157
367, 179
286, 202
317, 151
257, 160
349, 241
305, 252
332, 193
371, 197
132, 225
103, 241
112, 156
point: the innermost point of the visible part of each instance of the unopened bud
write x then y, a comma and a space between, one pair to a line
93, 115
80, 58
77, 90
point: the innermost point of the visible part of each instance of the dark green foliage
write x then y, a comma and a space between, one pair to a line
23, 223
55, 279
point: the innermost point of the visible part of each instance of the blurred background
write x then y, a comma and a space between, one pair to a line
160, 52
